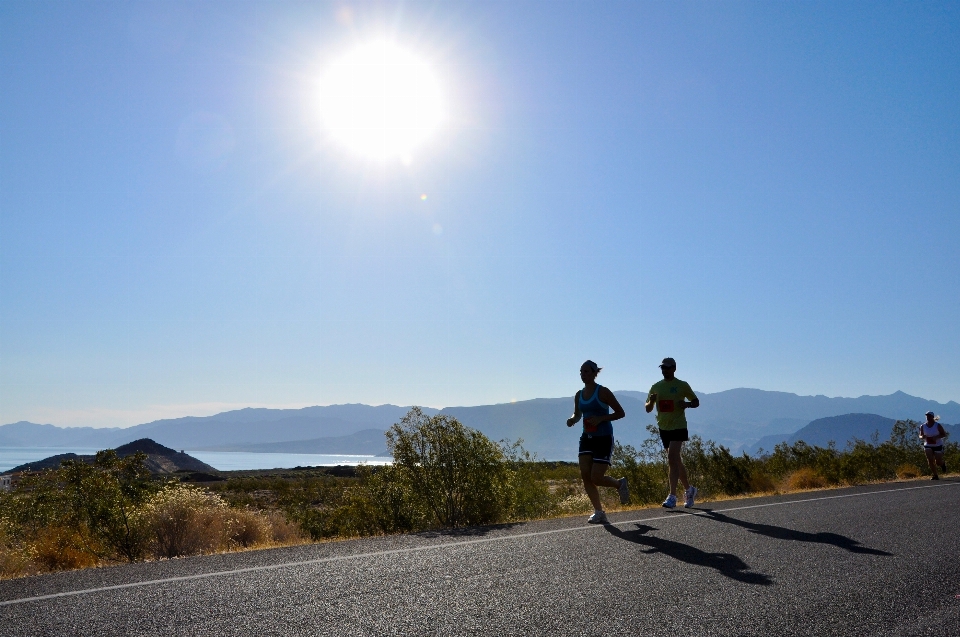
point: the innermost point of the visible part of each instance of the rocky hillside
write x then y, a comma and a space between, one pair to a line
160, 459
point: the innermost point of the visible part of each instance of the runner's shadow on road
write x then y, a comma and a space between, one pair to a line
783, 533
726, 564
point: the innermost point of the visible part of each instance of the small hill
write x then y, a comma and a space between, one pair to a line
160, 459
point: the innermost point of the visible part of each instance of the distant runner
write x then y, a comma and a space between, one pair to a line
668, 396
932, 433
593, 402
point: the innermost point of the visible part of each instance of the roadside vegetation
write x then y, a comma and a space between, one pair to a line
444, 475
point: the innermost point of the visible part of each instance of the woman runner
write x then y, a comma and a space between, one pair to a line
932, 433
593, 402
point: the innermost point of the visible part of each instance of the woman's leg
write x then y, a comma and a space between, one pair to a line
586, 474
932, 461
600, 479
938, 456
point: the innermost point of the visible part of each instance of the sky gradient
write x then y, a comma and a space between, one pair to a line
768, 192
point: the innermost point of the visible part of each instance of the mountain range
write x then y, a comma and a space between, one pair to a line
738, 418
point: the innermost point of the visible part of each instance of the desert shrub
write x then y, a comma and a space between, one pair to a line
804, 478
393, 505
327, 506
907, 471
14, 559
458, 474
59, 548
185, 520
282, 530
760, 482
248, 528
645, 468
528, 492
98, 502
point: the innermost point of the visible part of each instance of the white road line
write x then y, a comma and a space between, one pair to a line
692, 513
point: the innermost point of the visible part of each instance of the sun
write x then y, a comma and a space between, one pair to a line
381, 101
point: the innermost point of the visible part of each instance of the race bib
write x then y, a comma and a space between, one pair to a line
665, 406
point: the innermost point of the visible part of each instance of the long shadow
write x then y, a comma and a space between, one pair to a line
783, 533
726, 564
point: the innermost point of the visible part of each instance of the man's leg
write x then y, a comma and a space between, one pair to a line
677, 470
586, 474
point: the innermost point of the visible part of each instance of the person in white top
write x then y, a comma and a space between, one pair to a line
932, 433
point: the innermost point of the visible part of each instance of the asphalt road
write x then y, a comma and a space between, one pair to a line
865, 561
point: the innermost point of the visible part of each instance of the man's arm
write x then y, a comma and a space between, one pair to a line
651, 401
694, 401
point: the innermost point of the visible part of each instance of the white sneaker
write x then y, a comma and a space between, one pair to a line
624, 491
670, 502
598, 517
690, 494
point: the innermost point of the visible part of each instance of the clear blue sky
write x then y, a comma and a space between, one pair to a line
769, 192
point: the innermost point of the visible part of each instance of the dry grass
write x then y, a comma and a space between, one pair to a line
908, 471
803, 479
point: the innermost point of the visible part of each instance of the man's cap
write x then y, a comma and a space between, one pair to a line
668, 362
591, 366
929, 413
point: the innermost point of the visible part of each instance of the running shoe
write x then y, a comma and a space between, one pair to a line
670, 502
624, 491
689, 495
935, 478
598, 517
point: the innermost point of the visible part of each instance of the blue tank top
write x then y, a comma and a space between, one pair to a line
595, 407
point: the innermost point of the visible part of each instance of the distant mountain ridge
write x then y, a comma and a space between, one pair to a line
736, 418
840, 430
248, 426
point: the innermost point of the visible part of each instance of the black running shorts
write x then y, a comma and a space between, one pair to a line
600, 447
669, 435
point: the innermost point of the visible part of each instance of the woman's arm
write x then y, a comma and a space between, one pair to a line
572, 420
607, 396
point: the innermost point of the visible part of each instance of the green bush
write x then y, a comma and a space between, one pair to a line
97, 502
458, 474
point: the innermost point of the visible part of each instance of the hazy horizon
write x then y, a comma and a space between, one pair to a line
184, 411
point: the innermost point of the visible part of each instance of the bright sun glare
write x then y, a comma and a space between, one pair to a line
381, 101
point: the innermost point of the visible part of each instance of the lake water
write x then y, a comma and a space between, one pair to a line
11, 457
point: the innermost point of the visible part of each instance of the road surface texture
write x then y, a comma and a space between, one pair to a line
864, 561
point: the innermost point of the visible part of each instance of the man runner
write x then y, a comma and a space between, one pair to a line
668, 396
593, 403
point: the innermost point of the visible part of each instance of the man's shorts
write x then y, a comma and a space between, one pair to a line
600, 447
669, 435
936, 449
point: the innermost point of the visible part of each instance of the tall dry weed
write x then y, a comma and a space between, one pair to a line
804, 478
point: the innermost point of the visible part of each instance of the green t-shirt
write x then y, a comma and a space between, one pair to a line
669, 395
